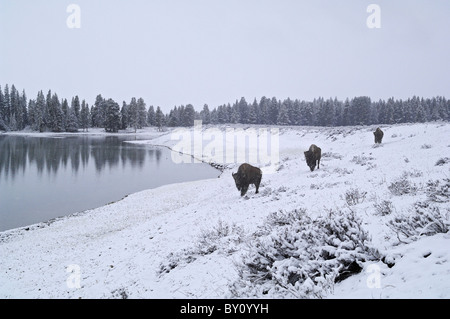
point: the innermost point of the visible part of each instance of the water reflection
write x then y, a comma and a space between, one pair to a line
50, 154
42, 178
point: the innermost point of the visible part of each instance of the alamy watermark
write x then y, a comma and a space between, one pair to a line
374, 19
373, 276
73, 21
257, 146
74, 279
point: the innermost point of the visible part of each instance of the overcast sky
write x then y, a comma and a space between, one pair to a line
215, 51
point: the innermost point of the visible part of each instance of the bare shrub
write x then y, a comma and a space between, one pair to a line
402, 186
384, 208
354, 196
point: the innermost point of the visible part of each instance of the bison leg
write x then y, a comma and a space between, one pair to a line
244, 190
257, 185
318, 163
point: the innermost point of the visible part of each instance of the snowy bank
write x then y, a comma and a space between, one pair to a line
195, 240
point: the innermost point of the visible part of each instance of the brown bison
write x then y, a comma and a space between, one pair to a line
378, 135
245, 176
312, 156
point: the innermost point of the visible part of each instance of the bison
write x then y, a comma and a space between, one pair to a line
313, 156
246, 175
378, 135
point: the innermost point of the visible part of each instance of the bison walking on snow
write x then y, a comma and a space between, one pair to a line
246, 175
378, 135
313, 156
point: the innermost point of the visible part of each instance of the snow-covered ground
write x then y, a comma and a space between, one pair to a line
188, 240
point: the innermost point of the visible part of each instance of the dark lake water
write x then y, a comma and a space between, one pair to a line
46, 177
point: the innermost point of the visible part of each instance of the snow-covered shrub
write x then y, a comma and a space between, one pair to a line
383, 208
296, 256
423, 219
438, 191
222, 237
425, 146
354, 196
402, 186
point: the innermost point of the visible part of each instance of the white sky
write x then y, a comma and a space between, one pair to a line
174, 52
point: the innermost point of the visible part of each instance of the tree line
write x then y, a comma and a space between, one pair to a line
50, 113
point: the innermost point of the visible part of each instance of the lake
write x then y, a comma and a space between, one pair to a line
42, 178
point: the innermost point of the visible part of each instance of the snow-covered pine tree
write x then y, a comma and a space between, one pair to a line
24, 110
141, 113
72, 121
76, 106
253, 112
112, 123
124, 116
189, 116
133, 114
159, 118
205, 115
14, 109
6, 109
151, 116
84, 116
283, 117
56, 114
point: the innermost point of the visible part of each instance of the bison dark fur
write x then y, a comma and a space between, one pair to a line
246, 175
378, 135
313, 156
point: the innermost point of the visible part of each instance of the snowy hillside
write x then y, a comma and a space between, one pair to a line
372, 222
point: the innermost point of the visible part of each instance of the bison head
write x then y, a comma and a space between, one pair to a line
240, 185
237, 181
310, 160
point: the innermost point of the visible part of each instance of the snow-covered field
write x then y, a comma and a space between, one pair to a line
197, 239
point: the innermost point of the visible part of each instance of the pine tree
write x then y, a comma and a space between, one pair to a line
55, 114
389, 119
141, 113
124, 116
72, 121
283, 117
189, 116
205, 115
133, 114
3, 125
273, 109
112, 123
65, 110
253, 113
6, 109
39, 112
75, 105
84, 116
14, 109
151, 116
23, 110
243, 111
98, 113
159, 118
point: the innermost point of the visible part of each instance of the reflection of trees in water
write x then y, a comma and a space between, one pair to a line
49, 154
